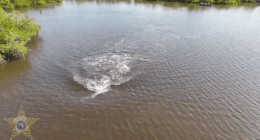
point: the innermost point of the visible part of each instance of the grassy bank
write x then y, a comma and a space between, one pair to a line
16, 29
11, 4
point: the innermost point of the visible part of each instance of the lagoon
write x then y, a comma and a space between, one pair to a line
127, 70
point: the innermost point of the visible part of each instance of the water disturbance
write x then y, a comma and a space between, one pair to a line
98, 73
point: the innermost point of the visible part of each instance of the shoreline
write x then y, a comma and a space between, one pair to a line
197, 6
27, 3
197, 3
17, 47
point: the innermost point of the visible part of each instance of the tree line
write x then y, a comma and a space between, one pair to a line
212, 1
11, 4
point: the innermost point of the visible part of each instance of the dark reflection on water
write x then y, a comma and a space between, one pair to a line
15, 67
193, 74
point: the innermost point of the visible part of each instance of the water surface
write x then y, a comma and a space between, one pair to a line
125, 70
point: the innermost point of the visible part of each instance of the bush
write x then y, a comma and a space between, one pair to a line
212, 1
49, 1
231, 1
41, 2
195, 1
248, 0
6, 4
34, 2
15, 30
22, 3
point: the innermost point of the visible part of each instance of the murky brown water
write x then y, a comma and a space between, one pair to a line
155, 72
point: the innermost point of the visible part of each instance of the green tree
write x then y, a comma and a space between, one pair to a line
16, 30
22, 3
49, 1
41, 2
6, 4
212, 1
195, 1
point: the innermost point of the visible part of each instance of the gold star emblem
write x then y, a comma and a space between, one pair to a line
21, 124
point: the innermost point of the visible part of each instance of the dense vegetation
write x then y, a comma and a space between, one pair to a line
15, 30
212, 1
10, 4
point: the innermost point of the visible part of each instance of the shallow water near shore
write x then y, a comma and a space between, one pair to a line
126, 70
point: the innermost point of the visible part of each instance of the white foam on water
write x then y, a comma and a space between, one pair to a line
98, 73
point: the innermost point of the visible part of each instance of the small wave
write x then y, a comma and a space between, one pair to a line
98, 73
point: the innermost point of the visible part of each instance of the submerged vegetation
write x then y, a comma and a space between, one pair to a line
10, 4
16, 29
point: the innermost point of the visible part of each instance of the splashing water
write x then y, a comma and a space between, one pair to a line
98, 73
